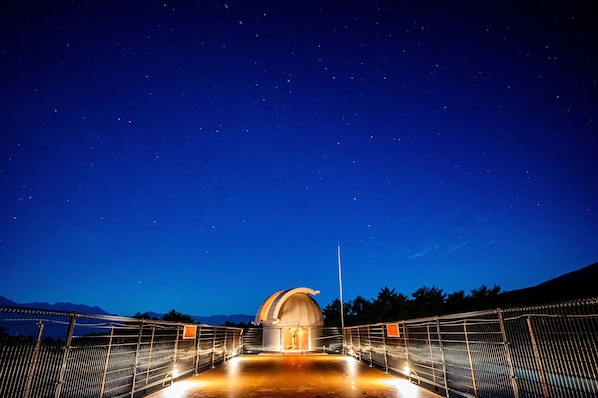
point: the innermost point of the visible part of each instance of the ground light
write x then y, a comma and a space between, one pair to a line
179, 389
170, 377
404, 388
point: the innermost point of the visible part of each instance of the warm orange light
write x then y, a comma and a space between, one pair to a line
179, 389
404, 388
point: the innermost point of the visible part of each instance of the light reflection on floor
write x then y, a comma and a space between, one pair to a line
180, 389
298, 376
404, 387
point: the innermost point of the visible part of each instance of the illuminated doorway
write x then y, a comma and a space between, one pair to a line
296, 338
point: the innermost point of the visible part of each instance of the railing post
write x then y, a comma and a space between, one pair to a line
537, 357
176, 347
40, 330
343, 339
384, 345
213, 346
406, 340
370, 342
359, 342
104, 374
508, 354
446, 388
149, 357
197, 350
431, 353
136, 363
473, 382
224, 345
65, 357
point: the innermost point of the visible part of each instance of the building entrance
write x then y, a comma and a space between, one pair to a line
296, 338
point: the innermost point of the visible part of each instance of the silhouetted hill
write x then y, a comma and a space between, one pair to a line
85, 309
214, 319
67, 307
579, 284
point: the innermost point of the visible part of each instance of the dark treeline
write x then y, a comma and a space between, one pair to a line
426, 301
172, 316
176, 316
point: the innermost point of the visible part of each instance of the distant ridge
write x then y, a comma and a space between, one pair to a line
67, 307
214, 319
579, 284
85, 309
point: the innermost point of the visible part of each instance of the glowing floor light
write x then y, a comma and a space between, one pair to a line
404, 388
179, 389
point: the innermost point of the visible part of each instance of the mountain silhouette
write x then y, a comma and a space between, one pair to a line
579, 284
65, 307
85, 309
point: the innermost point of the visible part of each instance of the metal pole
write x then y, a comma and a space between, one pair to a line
473, 383
370, 343
537, 357
224, 346
340, 283
40, 325
106, 362
136, 363
406, 341
197, 349
176, 348
359, 343
446, 388
384, 345
149, 357
508, 355
431, 353
67, 349
213, 347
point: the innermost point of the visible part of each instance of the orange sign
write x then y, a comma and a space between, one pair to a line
392, 330
189, 332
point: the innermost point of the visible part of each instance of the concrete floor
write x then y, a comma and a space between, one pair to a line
293, 376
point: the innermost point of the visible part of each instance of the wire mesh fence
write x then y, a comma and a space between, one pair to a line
62, 355
541, 351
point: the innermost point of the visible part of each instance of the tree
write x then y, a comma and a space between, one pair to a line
145, 315
175, 316
359, 311
241, 325
456, 302
484, 298
390, 306
332, 313
428, 301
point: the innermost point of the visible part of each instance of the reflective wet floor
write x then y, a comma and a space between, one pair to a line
293, 376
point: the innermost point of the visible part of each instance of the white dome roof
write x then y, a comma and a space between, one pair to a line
291, 307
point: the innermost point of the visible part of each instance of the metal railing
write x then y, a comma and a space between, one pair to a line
540, 351
50, 354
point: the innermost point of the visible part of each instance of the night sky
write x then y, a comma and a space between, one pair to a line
203, 155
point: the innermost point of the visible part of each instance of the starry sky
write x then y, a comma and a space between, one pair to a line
203, 155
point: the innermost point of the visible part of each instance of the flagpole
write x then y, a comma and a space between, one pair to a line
340, 283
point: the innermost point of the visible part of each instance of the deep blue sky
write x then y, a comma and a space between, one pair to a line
159, 155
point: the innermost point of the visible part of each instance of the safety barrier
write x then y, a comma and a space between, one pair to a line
62, 355
540, 351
